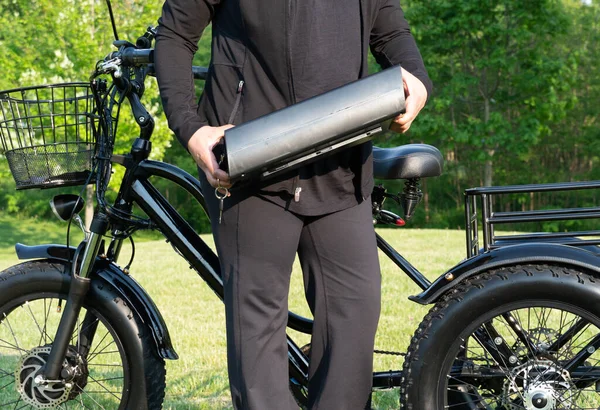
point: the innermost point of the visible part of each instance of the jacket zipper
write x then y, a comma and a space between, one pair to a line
288, 51
296, 189
236, 105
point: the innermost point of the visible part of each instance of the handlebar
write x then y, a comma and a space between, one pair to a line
128, 68
132, 57
200, 73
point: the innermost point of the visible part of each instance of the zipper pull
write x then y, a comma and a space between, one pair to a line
297, 194
236, 105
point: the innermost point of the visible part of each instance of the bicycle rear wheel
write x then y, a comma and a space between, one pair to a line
99, 370
515, 338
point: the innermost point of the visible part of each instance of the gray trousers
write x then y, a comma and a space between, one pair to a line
257, 242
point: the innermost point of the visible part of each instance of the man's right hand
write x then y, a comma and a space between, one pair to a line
201, 147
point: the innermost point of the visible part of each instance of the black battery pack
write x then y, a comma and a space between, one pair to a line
321, 125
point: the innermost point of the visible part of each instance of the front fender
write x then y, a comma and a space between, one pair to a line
45, 251
528, 253
131, 291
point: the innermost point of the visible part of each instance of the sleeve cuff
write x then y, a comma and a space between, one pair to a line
185, 131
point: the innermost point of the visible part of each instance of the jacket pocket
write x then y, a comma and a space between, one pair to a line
236, 104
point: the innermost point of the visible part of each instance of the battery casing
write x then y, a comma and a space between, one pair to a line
318, 126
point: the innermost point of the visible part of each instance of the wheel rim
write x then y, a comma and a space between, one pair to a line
95, 378
526, 357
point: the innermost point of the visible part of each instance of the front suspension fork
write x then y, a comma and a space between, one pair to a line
80, 285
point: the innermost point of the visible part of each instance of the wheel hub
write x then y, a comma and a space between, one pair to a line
40, 393
537, 385
540, 398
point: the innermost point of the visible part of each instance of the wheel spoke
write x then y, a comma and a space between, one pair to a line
93, 353
12, 333
584, 354
7, 345
7, 384
26, 306
104, 388
10, 403
46, 316
103, 351
24, 406
566, 338
86, 394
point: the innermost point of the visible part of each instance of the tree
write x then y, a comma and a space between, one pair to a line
572, 151
499, 82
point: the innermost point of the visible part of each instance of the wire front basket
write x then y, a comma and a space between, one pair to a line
47, 134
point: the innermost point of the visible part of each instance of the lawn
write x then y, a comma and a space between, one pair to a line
195, 317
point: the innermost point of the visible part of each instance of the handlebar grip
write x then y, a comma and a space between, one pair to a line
131, 56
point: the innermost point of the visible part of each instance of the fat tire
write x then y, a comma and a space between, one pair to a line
53, 277
464, 304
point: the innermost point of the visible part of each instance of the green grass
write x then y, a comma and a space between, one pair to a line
195, 317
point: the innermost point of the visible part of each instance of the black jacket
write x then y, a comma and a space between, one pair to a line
250, 74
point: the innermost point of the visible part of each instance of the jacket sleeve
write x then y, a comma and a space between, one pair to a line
179, 29
392, 43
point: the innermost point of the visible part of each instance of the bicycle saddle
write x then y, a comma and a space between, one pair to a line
407, 161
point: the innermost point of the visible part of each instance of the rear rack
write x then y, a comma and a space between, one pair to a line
489, 200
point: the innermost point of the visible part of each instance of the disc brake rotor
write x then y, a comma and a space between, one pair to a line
30, 383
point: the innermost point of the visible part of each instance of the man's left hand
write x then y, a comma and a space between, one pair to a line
416, 96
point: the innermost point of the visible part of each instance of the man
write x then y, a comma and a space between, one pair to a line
266, 55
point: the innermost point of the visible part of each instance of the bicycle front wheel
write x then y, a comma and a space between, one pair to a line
524, 337
98, 371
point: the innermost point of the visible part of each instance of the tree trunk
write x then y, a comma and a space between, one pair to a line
488, 168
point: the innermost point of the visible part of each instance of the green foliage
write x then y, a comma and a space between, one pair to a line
500, 81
